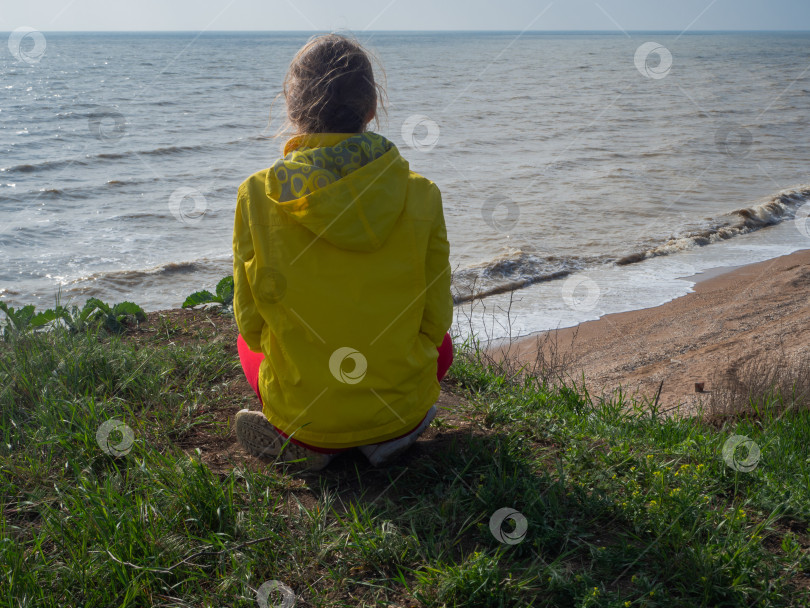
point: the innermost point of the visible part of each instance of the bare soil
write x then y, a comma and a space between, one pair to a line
760, 311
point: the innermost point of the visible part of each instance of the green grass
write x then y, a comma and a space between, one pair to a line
624, 507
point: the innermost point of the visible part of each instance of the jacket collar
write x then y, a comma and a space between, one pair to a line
314, 140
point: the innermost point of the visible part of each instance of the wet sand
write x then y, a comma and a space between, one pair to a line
733, 315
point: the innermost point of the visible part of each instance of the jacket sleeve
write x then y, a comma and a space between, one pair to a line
438, 314
248, 318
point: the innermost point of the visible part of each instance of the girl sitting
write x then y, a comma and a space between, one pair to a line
342, 276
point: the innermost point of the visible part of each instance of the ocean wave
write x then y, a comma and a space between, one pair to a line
134, 277
75, 193
130, 182
512, 271
43, 166
782, 206
143, 216
90, 159
259, 137
518, 269
131, 278
51, 193
163, 151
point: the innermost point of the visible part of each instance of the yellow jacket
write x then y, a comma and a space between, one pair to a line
342, 280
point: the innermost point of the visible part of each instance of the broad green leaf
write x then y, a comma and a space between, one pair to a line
129, 308
225, 290
22, 318
198, 297
44, 318
92, 305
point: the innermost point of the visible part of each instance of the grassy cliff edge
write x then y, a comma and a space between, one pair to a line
526, 491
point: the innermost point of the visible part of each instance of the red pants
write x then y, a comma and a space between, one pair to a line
251, 361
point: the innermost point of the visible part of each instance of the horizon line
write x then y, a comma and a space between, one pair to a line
427, 31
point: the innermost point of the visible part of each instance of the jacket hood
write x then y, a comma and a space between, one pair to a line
348, 189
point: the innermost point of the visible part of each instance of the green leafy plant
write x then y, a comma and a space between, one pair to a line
114, 318
223, 296
18, 320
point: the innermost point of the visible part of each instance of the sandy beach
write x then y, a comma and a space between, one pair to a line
759, 311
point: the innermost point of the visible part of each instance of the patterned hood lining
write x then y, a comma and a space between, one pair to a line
305, 170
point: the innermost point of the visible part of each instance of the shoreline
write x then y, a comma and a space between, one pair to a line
732, 315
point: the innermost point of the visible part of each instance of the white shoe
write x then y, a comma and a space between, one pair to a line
379, 454
261, 438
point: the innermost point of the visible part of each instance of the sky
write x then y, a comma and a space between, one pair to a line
356, 15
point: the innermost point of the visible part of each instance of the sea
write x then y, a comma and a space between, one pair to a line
581, 173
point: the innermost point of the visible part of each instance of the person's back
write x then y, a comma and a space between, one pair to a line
342, 275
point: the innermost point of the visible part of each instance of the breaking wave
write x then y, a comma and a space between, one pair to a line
519, 269
778, 208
